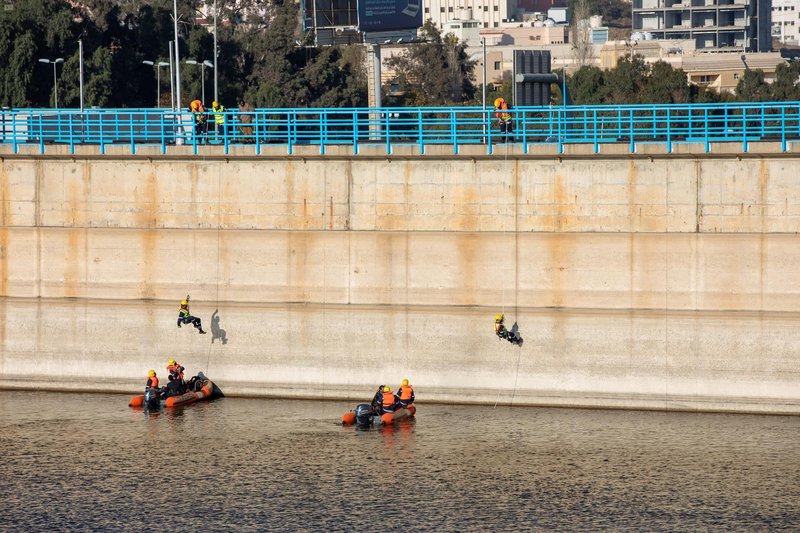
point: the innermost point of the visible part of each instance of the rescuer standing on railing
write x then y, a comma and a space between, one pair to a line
504, 120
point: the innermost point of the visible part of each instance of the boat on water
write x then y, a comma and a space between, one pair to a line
363, 416
200, 388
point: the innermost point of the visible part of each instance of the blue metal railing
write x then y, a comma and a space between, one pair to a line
631, 125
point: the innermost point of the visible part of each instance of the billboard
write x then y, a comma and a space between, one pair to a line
388, 15
329, 14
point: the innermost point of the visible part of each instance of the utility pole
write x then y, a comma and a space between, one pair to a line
80, 67
177, 58
216, 94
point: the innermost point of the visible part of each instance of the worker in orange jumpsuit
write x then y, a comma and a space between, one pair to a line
405, 396
176, 385
152, 381
387, 401
504, 120
199, 117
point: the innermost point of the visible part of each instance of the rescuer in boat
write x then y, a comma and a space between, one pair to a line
185, 317
387, 401
152, 381
176, 384
501, 331
406, 395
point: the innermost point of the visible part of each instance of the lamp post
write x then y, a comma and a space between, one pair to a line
203, 64
55, 77
171, 76
158, 77
216, 98
177, 57
80, 73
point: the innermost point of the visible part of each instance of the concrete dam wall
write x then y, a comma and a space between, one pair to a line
661, 281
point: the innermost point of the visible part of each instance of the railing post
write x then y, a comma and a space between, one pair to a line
100, 131
41, 134
387, 132
355, 131
163, 134
669, 132
133, 144
630, 125
705, 130
559, 112
594, 131
420, 132
524, 132
323, 128
744, 129
69, 125
453, 138
14, 132
783, 129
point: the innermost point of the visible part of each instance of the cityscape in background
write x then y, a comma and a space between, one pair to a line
312, 53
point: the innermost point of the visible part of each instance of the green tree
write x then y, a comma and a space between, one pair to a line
625, 83
30, 30
435, 71
787, 82
666, 85
587, 86
752, 87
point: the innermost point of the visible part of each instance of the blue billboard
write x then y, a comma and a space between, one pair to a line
386, 15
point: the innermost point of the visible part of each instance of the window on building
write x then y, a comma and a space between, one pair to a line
441, 10
497, 65
450, 9
736, 75
427, 10
496, 24
496, 8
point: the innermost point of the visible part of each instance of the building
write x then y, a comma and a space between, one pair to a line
715, 25
488, 13
786, 21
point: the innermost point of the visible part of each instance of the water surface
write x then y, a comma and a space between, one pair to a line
88, 462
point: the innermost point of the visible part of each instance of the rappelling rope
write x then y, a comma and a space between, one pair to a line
219, 229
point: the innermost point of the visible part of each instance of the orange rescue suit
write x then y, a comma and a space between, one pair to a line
388, 400
406, 392
152, 382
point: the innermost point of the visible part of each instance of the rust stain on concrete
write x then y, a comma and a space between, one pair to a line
634, 213
74, 262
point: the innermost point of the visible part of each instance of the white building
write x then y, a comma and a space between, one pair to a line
488, 13
786, 21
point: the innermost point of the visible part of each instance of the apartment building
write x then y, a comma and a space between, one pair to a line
714, 25
786, 21
488, 13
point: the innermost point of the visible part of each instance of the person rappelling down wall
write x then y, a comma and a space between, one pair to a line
185, 317
511, 335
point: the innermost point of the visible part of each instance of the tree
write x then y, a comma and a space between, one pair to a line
436, 71
666, 85
587, 86
625, 82
582, 49
31, 30
752, 87
787, 82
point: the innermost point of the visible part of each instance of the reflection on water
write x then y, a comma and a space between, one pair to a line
88, 462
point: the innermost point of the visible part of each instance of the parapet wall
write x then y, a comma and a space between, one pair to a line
663, 281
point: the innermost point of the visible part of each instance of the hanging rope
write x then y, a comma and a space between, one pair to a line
219, 229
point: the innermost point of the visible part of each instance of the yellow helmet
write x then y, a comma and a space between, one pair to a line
214, 103
184, 302
498, 102
499, 317
386, 389
405, 382
151, 373
171, 362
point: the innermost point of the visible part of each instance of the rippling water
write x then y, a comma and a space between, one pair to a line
88, 462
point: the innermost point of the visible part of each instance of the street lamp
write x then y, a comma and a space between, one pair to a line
55, 77
203, 65
158, 78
